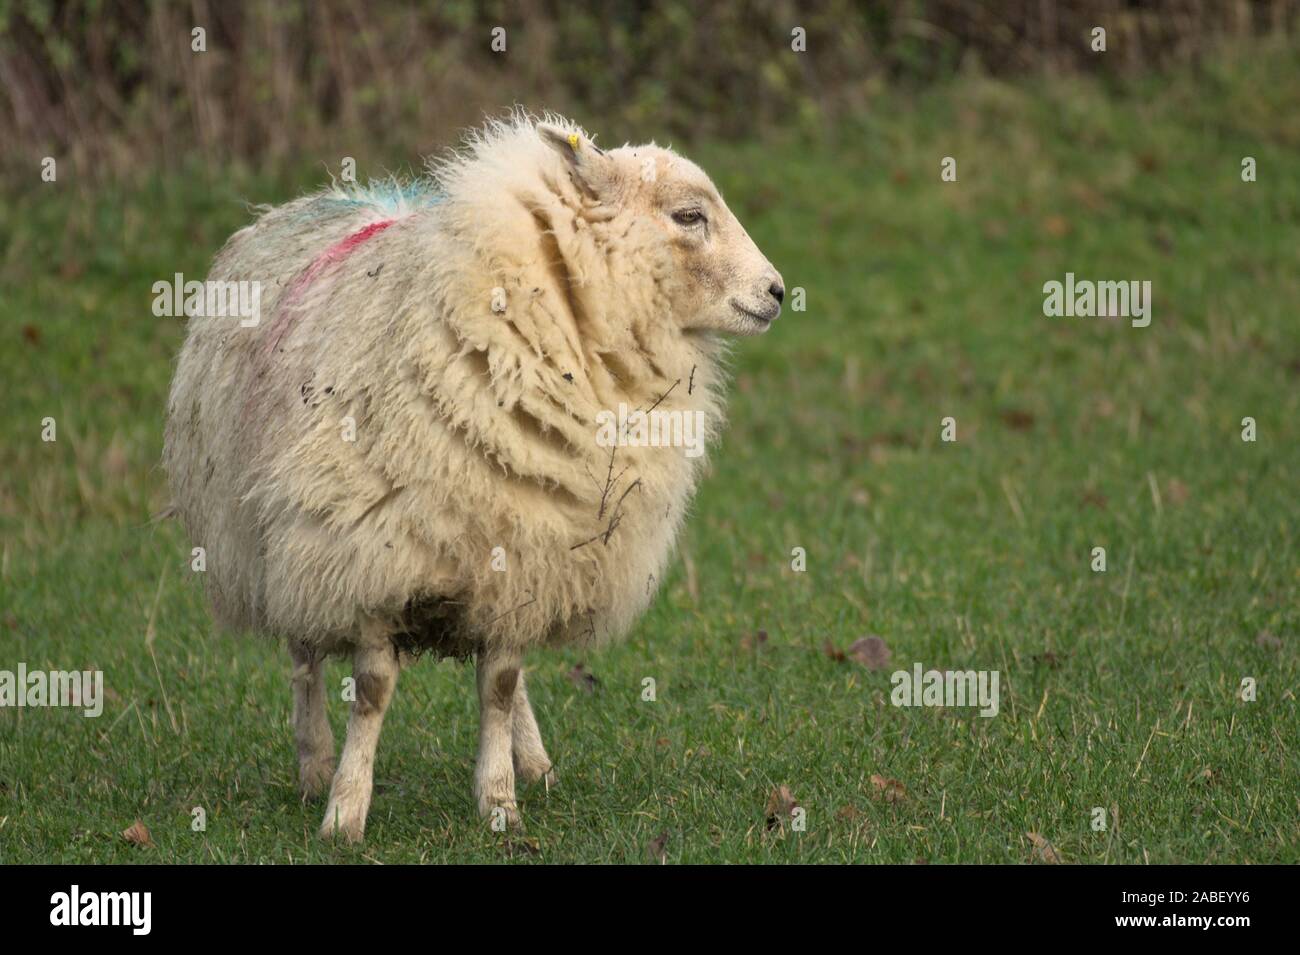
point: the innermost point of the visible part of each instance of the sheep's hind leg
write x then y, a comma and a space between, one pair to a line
531, 761
375, 668
494, 775
311, 727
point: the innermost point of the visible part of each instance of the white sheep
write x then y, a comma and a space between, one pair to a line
402, 454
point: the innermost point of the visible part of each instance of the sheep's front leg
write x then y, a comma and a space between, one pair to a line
531, 761
374, 666
494, 776
311, 727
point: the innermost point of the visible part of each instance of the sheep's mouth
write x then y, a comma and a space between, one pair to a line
763, 318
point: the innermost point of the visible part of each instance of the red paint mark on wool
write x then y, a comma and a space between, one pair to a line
336, 253
332, 256
339, 250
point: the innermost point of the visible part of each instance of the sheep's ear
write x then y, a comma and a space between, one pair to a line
589, 165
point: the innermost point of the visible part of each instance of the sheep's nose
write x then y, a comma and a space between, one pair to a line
777, 291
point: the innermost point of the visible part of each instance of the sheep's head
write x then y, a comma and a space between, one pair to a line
719, 279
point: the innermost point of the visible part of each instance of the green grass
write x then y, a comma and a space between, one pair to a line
924, 301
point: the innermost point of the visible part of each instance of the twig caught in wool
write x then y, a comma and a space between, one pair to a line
515, 609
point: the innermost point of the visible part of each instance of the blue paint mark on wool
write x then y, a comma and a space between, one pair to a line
391, 197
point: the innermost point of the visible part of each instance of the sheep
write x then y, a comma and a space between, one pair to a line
400, 455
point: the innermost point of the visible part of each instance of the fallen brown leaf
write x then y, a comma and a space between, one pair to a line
752, 641
1043, 851
138, 834
781, 805
656, 848
872, 652
891, 790
1056, 226
1017, 419
834, 652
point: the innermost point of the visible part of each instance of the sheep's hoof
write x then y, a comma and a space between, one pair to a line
501, 816
544, 773
339, 825
314, 776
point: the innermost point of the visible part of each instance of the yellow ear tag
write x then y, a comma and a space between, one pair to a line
573, 141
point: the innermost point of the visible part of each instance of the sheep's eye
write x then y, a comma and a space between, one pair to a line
688, 217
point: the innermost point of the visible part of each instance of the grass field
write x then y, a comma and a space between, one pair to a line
924, 300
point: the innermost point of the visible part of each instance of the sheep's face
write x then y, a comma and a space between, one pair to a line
719, 279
